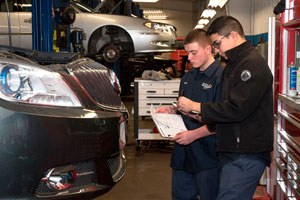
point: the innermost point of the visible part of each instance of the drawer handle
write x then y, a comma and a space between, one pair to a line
176, 92
159, 97
151, 91
147, 84
157, 104
148, 111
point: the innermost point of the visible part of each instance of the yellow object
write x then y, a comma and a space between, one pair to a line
55, 48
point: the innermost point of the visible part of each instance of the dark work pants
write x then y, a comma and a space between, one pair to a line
187, 186
239, 178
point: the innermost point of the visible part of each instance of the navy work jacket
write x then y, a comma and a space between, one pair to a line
200, 87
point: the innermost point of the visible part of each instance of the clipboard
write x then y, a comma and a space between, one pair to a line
168, 125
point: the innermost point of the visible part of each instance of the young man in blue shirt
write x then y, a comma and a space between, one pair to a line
194, 162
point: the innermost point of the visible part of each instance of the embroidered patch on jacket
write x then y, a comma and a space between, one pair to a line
206, 85
245, 75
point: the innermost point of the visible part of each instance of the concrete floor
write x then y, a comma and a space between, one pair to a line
148, 175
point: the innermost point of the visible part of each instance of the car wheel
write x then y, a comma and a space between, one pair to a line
111, 53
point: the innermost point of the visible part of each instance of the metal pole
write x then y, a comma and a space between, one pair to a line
42, 31
9, 26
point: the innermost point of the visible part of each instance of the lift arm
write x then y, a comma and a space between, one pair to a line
42, 33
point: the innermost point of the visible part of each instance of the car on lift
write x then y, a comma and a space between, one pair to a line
63, 126
105, 35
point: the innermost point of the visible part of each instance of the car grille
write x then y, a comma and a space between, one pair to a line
95, 80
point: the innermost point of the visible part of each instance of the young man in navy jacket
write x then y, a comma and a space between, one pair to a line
194, 162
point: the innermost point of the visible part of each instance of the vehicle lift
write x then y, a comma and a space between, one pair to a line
51, 27
51, 21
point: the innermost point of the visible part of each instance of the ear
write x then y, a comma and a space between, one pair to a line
234, 35
208, 49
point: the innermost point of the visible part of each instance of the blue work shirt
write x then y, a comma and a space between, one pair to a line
199, 86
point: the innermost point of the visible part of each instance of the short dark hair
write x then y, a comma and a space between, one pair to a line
197, 35
224, 25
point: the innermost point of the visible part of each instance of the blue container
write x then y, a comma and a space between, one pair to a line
292, 80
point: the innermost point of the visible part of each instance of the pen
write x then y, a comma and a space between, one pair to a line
194, 112
174, 104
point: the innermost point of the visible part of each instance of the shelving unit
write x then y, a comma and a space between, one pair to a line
287, 143
288, 148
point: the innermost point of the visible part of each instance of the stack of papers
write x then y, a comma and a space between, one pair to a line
168, 125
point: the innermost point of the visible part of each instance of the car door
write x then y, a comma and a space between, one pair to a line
14, 21
25, 20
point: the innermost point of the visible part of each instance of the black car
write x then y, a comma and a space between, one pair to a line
61, 127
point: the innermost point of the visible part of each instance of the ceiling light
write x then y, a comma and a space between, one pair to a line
208, 13
146, 1
213, 3
216, 3
199, 26
152, 11
223, 2
203, 21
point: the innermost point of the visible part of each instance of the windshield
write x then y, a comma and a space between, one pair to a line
109, 6
80, 6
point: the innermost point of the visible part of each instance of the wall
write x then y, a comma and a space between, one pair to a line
253, 14
262, 11
241, 10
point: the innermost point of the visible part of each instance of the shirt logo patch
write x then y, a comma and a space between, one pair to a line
206, 86
185, 83
245, 75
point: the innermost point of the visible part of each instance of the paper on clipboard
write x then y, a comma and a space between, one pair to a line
167, 124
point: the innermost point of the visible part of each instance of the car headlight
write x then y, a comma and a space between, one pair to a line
114, 81
33, 85
157, 26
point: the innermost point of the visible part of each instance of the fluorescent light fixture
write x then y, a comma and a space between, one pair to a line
199, 26
158, 16
216, 3
208, 13
146, 1
203, 21
223, 2
26, 5
152, 11
213, 3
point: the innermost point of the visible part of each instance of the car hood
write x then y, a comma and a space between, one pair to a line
130, 23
